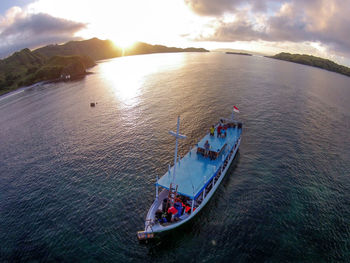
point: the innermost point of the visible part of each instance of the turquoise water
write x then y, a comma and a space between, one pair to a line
76, 182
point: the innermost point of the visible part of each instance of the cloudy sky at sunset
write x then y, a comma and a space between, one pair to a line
318, 27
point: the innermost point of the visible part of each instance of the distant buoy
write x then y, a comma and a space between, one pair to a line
92, 104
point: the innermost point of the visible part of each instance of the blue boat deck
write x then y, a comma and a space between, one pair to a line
216, 143
194, 171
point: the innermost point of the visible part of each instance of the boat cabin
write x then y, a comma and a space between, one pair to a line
217, 142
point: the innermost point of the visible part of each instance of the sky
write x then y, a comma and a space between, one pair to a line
315, 27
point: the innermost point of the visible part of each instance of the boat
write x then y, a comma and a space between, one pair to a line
189, 184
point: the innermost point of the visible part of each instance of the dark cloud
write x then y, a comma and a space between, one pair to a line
35, 30
41, 24
327, 22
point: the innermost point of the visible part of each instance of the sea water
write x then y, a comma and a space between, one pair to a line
76, 182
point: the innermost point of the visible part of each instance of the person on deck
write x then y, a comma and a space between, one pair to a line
219, 131
212, 130
224, 132
206, 148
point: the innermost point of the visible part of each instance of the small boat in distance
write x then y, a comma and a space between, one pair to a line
192, 181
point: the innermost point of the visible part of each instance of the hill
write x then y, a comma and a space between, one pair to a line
17, 65
144, 48
94, 48
60, 67
99, 49
313, 61
27, 67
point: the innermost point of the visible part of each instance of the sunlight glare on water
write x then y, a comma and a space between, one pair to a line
126, 76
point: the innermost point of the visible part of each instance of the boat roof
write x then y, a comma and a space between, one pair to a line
194, 171
215, 143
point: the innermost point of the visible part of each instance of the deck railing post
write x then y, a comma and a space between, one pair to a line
222, 165
205, 180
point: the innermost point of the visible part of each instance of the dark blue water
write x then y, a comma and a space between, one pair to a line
76, 182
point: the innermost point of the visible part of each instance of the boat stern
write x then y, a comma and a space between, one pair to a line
144, 235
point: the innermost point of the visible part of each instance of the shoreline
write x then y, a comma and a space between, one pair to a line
13, 92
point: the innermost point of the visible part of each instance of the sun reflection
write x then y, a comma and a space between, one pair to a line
126, 76
124, 82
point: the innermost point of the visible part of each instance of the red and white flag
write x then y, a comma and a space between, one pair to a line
235, 109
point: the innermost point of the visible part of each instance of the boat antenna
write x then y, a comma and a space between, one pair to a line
177, 135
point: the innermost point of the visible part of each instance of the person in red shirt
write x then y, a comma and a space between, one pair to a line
219, 131
224, 131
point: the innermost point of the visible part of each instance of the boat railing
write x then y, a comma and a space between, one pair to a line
149, 223
215, 154
211, 182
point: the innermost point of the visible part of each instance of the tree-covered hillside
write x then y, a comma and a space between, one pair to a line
313, 61
25, 67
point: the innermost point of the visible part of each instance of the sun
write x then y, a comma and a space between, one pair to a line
123, 42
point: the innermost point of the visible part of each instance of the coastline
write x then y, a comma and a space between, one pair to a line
18, 90
11, 93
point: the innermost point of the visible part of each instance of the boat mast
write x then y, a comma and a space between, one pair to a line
177, 135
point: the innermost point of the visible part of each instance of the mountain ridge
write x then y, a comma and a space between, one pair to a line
71, 60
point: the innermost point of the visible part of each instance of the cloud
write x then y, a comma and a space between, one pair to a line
208, 7
220, 7
241, 29
19, 29
297, 21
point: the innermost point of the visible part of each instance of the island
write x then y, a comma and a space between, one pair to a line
67, 61
313, 61
239, 53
